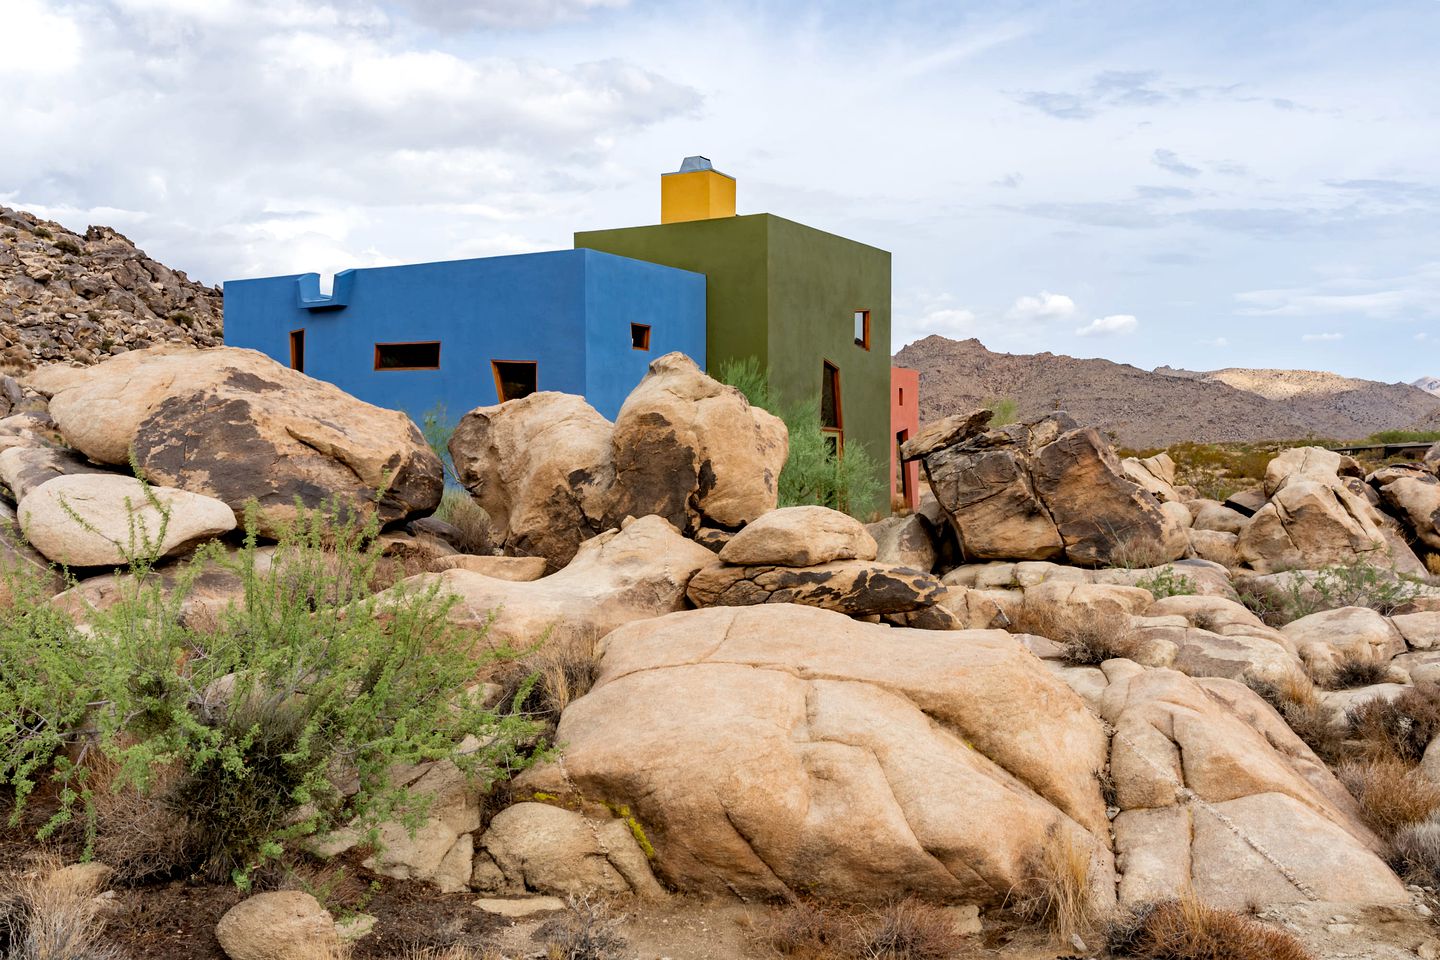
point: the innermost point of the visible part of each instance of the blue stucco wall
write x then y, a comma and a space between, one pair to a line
568, 310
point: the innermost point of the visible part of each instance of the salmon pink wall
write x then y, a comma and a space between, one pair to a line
904, 423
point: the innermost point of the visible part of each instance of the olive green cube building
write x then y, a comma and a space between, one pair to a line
812, 307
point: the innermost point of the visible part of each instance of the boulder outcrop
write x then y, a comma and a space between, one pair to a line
1046, 489
799, 537
859, 588
552, 472
773, 749
235, 425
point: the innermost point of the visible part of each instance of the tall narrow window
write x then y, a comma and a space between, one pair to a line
862, 328
831, 416
514, 378
902, 397
902, 475
640, 336
297, 350
424, 355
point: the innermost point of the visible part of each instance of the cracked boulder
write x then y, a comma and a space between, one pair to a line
1049, 489
781, 749
537, 848
799, 537
859, 588
235, 425
552, 472
1218, 795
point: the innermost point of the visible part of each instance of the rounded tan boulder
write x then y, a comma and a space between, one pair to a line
93, 520
800, 537
284, 925
235, 425
779, 749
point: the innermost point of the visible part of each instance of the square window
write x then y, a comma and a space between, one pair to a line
423, 355
515, 378
640, 336
862, 328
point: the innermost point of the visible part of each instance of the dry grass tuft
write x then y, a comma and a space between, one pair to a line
564, 671
458, 509
52, 913
904, 930
454, 952
586, 931
1356, 669
1432, 564
1088, 635
1391, 795
1186, 929
1294, 697
1417, 846
1058, 891
1399, 728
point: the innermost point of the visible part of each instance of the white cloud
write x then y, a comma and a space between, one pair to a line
1118, 323
517, 14
1046, 306
37, 40
1421, 337
1322, 337
1216, 342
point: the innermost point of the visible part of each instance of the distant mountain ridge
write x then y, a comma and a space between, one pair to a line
1153, 408
1428, 384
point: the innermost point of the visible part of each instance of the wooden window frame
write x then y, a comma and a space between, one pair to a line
406, 343
832, 371
865, 328
645, 339
300, 333
499, 388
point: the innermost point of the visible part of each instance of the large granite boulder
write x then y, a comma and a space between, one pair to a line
1318, 513
24, 468
237, 426
94, 520
1415, 500
1218, 795
800, 537
907, 541
621, 575
1047, 489
773, 750
692, 449
21, 563
859, 588
552, 472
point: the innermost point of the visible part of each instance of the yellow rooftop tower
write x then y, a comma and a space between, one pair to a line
697, 191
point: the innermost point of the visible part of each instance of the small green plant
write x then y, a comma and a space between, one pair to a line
67, 245
814, 473
437, 428
239, 731
1356, 583
1003, 411
1166, 582
43, 232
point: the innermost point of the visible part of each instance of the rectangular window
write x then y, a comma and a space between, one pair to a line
297, 350
832, 420
902, 397
903, 478
862, 328
640, 336
424, 355
514, 378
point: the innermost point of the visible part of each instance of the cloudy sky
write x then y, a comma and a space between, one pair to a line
1201, 184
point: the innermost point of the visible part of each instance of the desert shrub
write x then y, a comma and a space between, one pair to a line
437, 428
42, 232
1294, 697
1003, 411
1088, 635
311, 675
51, 914
812, 475
1056, 891
903, 930
1404, 436
1356, 669
1353, 584
68, 245
586, 931
1432, 564
460, 510
1166, 582
1417, 849
1186, 929
1398, 728
1391, 795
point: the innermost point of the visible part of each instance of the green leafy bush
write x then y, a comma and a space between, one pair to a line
1353, 584
241, 733
1166, 582
812, 473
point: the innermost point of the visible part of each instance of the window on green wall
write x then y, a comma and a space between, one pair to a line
832, 421
862, 328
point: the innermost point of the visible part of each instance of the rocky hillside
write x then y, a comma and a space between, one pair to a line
1428, 384
1144, 408
64, 296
